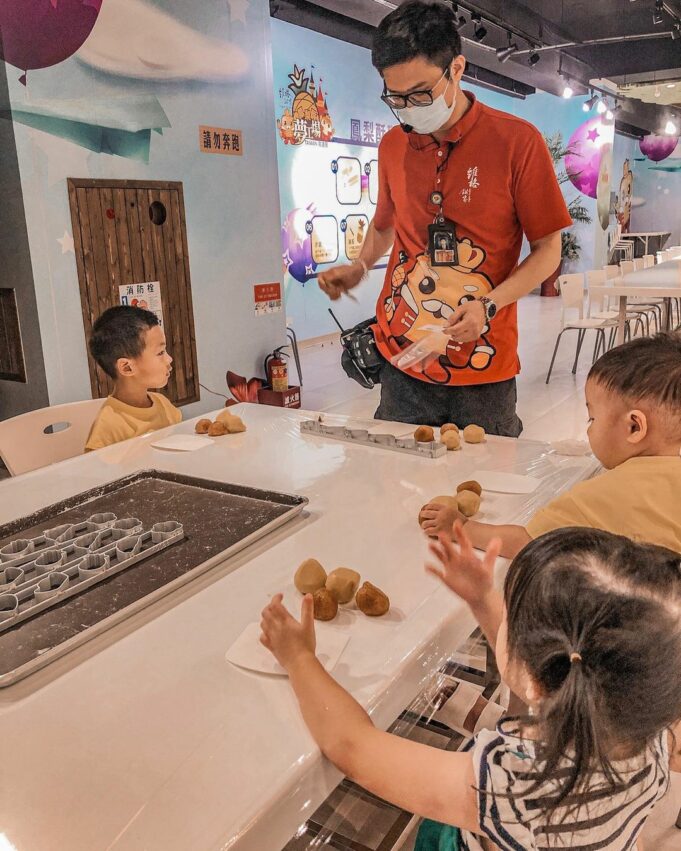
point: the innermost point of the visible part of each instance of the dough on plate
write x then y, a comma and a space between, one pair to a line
217, 429
424, 434
469, 503
343, 583
310, 576
202, 426
474, 434
372, 601
325, 605
451, 440
470, 485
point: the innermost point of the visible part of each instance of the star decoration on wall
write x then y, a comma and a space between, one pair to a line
66, 243
286, 257
237, 10
592, 135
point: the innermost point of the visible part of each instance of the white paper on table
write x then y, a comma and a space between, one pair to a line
248, 652
182, 442
490, 480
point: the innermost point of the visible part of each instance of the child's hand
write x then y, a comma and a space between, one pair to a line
461, 570
285, 637
436, 518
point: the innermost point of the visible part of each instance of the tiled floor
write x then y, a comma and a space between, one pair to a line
553, 412
550, 412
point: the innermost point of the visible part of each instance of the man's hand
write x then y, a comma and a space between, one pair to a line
340, 279
461, 570
436, 518
467, 322
285, 637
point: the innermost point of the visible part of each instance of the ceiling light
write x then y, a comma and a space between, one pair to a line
658, 17
461, 22
480, 31
533, 58
609, 115
670, 128
589, 104
601, 107
568, 91
670, 85
505, 53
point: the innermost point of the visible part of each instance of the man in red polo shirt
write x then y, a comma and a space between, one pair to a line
459, 185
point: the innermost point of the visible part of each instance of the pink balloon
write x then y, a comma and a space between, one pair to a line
658, 148
583, 164
40, 33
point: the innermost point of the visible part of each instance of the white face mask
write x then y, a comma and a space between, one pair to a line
428, 119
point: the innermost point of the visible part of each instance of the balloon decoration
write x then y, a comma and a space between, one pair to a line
41, 33
296, 245
658, 148
586, 144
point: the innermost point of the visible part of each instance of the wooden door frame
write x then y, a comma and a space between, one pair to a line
90, 315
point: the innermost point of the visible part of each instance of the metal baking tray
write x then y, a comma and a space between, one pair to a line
218, 520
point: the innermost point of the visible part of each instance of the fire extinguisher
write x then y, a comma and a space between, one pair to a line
276, 370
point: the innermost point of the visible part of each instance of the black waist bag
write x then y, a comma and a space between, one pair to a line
361, 359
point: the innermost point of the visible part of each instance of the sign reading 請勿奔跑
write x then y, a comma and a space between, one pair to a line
220, 140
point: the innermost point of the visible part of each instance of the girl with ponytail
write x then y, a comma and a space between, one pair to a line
588, 637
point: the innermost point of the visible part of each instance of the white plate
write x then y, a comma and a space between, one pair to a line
505, 482
248, 652
182, 442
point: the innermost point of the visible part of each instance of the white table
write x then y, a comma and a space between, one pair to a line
633, 290
646, 236
145, 737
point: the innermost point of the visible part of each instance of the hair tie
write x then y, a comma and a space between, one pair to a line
575, 657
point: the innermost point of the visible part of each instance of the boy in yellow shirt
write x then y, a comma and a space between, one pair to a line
130, 346
633, 396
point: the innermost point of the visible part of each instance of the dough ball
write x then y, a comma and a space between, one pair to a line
451, 440
342, 583
470, 485
448, 501
325, 605
474, 434
424, 434
217, 429
372, 601
469, 503
310, 576
448, 427
233, 424
203, 426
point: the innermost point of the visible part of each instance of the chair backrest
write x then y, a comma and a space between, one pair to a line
648, 260
638, 263
48, 435
611, 271
626, 266
596, 278
571, 289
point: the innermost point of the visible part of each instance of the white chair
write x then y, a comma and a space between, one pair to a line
48, 435
648, 260
571, 289
638, 263
626, 266
601, 308
624, 248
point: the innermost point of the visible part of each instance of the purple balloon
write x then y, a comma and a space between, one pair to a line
658, 148
296, 245
583, 163
40, 33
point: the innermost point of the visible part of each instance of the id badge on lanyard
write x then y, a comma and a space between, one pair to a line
442, 249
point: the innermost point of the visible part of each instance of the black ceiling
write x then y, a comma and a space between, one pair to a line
540, 23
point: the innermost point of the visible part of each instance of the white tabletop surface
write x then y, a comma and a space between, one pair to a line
663, 274
145, 737
647, 233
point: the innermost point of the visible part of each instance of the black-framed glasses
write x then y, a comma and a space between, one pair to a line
422, 97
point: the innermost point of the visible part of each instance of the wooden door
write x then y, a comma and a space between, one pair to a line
133, 232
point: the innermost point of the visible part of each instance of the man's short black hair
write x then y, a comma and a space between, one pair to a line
417, 28
119, 333
645, 368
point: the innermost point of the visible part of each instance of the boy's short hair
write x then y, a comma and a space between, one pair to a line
119, 333
417, 28
645, 368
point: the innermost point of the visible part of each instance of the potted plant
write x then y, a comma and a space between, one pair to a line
569, 244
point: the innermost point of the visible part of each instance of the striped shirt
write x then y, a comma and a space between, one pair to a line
603, 818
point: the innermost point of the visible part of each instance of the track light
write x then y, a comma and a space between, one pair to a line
461, 22
658, 17
505, 53
480, 31
670, 128
676, 32
589, 104
601, 107
609, 115
568, 91
533, 58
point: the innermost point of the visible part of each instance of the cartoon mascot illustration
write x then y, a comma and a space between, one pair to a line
423, 295
623, 200
286, 128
